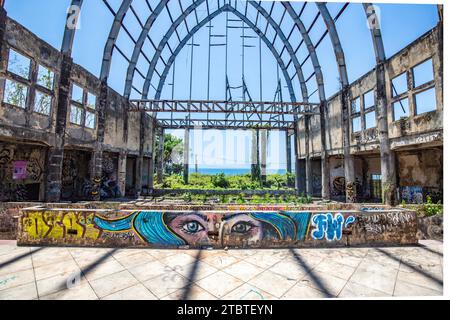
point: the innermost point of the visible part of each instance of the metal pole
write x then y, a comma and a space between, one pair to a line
192, 67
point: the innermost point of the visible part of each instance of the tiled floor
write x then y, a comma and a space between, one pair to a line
97, 273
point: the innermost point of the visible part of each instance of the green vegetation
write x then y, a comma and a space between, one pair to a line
427, 209
222, 182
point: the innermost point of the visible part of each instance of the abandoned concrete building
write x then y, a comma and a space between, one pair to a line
64, 131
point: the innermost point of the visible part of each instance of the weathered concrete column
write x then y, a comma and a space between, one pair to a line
56, 152
140, 158
186, 156
96, 166
387, 156
95, 173
160, 157
349, 162
324, 155
264, 137
151, 168
308, 167
299, 169
255, 168
288, 153
122, 172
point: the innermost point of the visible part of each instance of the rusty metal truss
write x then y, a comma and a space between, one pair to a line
225, 124
203, 106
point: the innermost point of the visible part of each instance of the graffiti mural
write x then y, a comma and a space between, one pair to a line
169, 229
412, 194
21, 172
338, 188
330, 226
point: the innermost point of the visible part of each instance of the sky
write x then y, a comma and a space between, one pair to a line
400, 24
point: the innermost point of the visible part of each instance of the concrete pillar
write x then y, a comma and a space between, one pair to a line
387, 156
56, 152
299, 169
324, 156
151, 168
308, 167
288, 153
140, 158
95, 170
122, 172
186, 156
255, 169
160, 157
349, 162
96, 166
264, 137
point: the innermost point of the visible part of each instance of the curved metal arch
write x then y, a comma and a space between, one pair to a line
69, 33
336, 42
183, 17
139, 44
375, 31
311, 49
289, 48
113, 34
163, 43
222, 9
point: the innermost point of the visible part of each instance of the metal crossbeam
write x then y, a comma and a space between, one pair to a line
229, 107
224, 124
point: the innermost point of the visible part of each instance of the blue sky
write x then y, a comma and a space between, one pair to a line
401, 24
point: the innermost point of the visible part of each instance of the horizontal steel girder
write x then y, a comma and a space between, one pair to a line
205, 106
224, 124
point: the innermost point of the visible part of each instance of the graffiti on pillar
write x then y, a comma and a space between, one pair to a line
350, 191
338, 186
330, 226
110, 185
316, 184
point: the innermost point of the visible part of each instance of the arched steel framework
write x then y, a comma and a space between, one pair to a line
228, 8
296, 18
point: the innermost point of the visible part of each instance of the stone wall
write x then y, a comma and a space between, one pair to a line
200, 229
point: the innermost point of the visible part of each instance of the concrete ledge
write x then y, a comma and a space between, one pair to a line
216, 229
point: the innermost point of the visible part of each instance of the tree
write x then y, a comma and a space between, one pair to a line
173, 154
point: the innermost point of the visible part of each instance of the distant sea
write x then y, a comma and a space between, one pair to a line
231, 171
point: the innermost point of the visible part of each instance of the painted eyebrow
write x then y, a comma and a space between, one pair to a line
229, 217
201, 216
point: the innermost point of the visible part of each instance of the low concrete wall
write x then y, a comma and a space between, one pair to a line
217, 229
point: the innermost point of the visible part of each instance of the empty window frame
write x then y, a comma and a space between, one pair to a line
401, 109
76, 114
90, 120
15, 94
423, 73
45, 77
19, 64
356, 105
77, 94
425, 101
91, 101
42, 103
356, 124
371, 121
399, 84
369, 99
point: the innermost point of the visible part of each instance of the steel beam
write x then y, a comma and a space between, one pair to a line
139, 44
227, 107
113, 34
224, 124
70, 29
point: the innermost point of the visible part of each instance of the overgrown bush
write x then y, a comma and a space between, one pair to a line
220, 181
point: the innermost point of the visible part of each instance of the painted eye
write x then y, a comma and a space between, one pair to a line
242, 227
192, 227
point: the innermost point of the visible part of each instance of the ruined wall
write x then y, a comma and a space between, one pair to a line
20, 126
171, 229
421, 174
413, 130
22, 173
